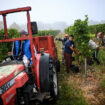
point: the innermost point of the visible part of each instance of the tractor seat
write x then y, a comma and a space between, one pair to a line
9, 72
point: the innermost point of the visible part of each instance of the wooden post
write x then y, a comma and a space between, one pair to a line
85, 67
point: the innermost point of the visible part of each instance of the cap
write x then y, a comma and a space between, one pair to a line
23, 32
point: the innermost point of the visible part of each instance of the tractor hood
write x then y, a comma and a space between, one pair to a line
8, 72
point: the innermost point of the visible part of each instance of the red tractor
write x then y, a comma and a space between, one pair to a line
19, 84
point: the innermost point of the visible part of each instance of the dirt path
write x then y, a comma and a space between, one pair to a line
90, 87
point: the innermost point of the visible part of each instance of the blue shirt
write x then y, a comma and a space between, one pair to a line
68, 44
16, 49
26, 49
17, 46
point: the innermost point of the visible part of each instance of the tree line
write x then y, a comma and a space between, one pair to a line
93, 29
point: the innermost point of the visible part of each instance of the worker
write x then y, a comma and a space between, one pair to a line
100, 38
23, 51
63, 40
95, 49
27, 56
69, 49
104, 41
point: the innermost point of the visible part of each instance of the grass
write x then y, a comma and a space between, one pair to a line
70, 95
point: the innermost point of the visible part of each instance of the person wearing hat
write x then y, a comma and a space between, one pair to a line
23, 51
18, 47
26, 51
100, 38
63, 40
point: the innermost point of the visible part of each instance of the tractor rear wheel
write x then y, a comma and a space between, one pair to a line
48, 76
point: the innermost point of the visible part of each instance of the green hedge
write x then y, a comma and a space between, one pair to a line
7, 47
47, 32
93, 29
101, 56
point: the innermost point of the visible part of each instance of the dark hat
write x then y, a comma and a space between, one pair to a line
23, 32
71, 36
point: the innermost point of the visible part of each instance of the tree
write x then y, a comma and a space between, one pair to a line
80, 31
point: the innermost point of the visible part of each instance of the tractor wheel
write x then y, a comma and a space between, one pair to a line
48, 76
44, 73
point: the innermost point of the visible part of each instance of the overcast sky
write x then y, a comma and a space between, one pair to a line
49, 11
